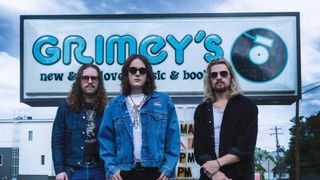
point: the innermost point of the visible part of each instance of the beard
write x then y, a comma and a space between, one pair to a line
220, 89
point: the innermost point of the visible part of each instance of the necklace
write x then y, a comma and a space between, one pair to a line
136, 112
92, 111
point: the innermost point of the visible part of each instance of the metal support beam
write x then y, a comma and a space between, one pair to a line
297, 143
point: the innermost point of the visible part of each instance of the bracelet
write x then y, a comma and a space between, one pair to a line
218, 163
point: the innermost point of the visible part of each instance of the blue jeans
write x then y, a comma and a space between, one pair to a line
87, 172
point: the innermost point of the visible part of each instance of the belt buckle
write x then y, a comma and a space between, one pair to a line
89, 161
138, 167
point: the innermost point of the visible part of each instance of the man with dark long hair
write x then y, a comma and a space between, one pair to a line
225, 127
75, 149
139, 136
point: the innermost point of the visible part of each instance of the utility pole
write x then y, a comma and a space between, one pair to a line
277, 150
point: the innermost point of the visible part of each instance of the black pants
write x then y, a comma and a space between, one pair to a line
203, 176
146, 174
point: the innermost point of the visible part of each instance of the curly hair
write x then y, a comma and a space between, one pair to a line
75, 98
149, 85
208, 90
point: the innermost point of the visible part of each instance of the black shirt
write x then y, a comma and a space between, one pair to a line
91, 142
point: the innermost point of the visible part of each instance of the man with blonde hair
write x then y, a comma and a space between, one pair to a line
225, 127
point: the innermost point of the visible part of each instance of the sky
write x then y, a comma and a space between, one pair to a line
269, 116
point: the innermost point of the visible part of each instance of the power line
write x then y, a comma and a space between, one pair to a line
311, 84
311, 89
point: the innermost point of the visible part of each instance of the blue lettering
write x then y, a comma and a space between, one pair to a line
211, 44
78, 50
99, 49
117, 48
179, 46
52, 53
121, 42
200, 36
157, 43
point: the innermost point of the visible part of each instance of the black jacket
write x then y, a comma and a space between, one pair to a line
238, 136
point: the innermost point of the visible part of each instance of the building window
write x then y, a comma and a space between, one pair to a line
42, 159
30, 135
1, 159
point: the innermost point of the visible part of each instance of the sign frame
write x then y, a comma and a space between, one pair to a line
263, 99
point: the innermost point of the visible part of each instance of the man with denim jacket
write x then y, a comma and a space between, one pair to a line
139, 135
75, 149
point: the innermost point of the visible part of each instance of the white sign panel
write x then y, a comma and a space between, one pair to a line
263, 49
268, 165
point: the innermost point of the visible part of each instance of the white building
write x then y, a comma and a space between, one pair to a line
25, 148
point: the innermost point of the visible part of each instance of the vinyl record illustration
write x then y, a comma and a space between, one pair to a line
259, 55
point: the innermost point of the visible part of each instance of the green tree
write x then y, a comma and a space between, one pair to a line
309, 146
260, 155
281, 166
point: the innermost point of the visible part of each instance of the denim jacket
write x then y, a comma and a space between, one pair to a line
160, 135
68, 137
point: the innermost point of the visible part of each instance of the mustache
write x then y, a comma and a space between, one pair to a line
90, 85
219, 81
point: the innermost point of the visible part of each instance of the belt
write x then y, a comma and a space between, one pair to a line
139, 167
90, 160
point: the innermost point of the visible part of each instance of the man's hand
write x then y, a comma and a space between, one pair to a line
62, 176
219, 176
163, 176
210, 167
116, 176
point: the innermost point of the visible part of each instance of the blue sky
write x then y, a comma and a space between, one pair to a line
269, 116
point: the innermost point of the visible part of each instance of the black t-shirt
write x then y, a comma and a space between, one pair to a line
91, 144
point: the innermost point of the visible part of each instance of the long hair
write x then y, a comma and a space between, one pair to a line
149, 85
208, 90
75, 98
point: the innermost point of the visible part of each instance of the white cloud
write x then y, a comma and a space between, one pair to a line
269, 118
9, 85
9, 72
43, 6
309, 26
10, 105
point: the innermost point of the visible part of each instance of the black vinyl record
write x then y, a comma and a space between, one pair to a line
259, 55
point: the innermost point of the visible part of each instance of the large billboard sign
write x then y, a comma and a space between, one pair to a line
263, 48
